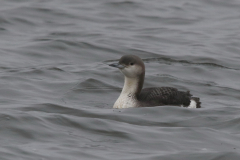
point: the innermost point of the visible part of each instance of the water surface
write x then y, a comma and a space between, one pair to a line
57, 90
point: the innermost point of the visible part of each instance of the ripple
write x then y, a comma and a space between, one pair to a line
168, 60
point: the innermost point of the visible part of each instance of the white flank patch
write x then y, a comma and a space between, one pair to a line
193, 104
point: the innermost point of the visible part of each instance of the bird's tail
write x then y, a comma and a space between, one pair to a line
195, 103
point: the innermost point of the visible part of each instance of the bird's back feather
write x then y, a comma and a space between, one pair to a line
164, 96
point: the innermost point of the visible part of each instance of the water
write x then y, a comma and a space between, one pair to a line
57, 91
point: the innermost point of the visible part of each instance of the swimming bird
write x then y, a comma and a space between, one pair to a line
133, 95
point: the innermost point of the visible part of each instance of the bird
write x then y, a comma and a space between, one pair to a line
132, 94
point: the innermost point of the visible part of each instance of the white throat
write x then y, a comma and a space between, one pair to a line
130, 85
128, 97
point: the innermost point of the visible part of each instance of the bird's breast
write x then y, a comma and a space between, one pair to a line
126, 101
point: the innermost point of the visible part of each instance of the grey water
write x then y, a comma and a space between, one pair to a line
57, 90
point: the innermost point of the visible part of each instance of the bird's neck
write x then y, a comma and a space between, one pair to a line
132, 86
131, 89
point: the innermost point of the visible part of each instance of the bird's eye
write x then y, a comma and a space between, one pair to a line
131, 64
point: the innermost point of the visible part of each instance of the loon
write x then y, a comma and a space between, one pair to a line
133, 95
